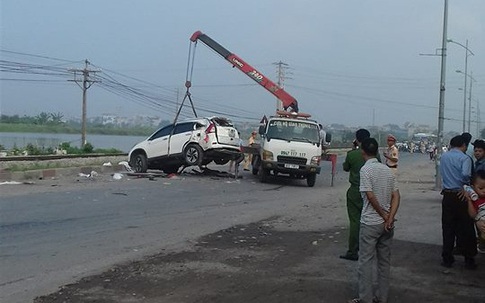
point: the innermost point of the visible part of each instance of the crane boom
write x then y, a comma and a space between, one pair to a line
288, 101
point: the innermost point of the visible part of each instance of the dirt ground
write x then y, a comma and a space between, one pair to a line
293, 258
258, 263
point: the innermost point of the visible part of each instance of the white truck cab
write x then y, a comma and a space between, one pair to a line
290, 144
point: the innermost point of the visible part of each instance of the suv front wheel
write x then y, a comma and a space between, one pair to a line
139, 163
193, 154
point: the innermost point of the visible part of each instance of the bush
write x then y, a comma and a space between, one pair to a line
33, 150
87, 148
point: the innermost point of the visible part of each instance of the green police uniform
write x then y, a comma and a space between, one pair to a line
352, 164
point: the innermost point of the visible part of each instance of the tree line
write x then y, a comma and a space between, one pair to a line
55, 123
41, 119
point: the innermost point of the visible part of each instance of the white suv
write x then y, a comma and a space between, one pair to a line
190, 142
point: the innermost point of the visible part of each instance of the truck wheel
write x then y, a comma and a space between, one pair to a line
263, 175
310, 180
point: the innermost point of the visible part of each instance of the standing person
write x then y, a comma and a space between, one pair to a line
352, 164
431, 149
323, 137
391, 154
381, 202
476, 207
468, 139
411, 147
456, 224
240, 144
479, 153
469, 151
249, 157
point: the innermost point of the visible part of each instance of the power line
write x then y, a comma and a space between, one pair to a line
37, 56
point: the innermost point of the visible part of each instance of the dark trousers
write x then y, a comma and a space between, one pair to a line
354, 209
457, 225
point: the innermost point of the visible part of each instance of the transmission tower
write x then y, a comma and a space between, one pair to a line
84, 83
281, 72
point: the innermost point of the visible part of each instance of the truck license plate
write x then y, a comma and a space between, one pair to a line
296, 166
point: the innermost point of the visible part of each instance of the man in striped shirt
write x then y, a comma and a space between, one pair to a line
381, 200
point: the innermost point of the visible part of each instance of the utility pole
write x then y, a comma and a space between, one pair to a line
470, 101
281, 68
478, 120
441, 108
87, 82
464, 89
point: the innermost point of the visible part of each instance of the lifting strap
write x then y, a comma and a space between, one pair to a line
188, 81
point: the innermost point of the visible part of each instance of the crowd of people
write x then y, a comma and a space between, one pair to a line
463, 211
373, 200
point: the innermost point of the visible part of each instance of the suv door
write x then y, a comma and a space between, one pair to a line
181, 135
157, 145
225, 132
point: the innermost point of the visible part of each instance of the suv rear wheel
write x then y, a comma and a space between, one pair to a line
193, 154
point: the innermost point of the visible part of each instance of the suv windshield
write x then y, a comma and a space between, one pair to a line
293, 131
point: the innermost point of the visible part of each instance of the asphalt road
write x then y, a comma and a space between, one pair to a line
76, 227
57, 231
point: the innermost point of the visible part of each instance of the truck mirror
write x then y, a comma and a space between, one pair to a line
261, 129
328, 138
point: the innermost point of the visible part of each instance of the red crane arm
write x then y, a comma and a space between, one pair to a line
286, 99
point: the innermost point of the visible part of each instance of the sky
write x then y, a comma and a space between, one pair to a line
351, 62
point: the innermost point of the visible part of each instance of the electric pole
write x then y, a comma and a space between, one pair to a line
470, 101
87, 82
441, 108
281, 69
478, 120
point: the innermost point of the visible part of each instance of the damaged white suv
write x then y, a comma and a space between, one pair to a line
196, 141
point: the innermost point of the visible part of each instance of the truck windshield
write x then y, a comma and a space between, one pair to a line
293, 131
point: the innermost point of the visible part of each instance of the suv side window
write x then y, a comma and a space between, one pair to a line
165, 131
184, 127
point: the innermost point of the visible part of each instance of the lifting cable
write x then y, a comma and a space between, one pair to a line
188, 84
188, 80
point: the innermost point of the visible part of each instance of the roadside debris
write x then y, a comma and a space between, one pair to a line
120, 193
17, 183
93, 174
127, 166
117, 176
145, 175
107, 164
212, 172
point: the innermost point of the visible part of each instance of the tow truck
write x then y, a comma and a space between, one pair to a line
290, 141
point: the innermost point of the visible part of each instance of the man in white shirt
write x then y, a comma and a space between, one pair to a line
381, 200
